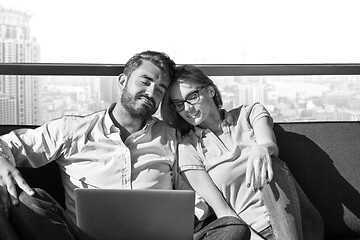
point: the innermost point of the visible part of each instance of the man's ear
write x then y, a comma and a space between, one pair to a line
122, 81
211, 91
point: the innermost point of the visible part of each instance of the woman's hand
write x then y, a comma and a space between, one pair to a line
259, 167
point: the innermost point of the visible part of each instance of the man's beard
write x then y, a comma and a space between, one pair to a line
135, 106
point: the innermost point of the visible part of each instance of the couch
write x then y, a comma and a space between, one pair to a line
324, 158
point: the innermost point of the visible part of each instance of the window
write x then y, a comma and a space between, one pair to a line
198, 32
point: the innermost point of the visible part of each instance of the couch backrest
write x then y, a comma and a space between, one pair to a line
324, 158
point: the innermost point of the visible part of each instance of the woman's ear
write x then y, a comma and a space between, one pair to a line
211, 91
122, 81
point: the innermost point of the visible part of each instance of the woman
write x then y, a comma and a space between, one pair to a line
230, 159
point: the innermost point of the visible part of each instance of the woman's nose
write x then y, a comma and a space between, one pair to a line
187, 106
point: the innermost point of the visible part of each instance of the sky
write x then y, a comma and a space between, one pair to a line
195, 31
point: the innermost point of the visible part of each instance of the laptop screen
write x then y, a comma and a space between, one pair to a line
135, 214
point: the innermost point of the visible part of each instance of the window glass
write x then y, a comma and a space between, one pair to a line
201, 31
191, 32
42, 98
296, 98
287, 98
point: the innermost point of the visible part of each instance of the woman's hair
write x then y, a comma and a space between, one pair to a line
185, 74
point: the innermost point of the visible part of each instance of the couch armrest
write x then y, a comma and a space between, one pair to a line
47, 178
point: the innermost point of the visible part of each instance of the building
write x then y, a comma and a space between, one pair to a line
19, 94
250, 93
108, 89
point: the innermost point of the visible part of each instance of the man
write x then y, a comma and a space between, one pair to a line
99, 150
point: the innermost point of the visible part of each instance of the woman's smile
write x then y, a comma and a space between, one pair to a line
193, 114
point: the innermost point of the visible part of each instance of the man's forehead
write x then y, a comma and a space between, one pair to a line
151, 68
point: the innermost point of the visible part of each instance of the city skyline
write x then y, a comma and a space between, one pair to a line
19, 95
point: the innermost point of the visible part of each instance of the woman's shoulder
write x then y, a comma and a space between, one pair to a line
248, 108
247, 112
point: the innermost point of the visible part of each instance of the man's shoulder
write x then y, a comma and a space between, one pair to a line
163, 127
85, 117
77, 121
158, 123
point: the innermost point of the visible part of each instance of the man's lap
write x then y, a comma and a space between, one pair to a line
41, 217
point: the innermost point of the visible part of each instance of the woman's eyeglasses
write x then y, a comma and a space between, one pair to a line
192, 98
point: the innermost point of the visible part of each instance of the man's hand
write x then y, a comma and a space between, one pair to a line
9, 178
259, 167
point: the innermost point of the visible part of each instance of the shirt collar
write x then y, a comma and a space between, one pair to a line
109, 126
227, 121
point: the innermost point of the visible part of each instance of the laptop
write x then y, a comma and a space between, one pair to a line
111, 214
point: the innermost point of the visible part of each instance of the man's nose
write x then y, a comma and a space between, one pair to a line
150, 91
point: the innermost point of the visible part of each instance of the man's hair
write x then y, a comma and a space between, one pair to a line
159, 59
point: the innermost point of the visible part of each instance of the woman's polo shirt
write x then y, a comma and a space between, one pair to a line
225, 157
